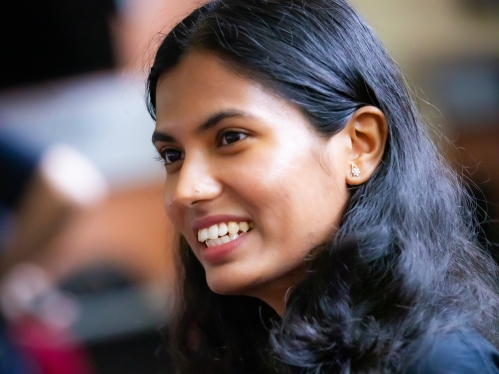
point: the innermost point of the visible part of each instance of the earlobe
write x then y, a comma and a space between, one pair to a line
368, 133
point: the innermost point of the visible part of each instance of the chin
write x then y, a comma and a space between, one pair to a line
226, 284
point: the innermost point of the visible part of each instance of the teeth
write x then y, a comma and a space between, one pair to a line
203, 235
213, 232
222, 233
233, 228
217, 241
222, 229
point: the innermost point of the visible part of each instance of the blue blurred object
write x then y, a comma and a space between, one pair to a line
11, 361
17, 165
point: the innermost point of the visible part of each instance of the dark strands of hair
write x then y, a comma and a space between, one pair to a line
403, 266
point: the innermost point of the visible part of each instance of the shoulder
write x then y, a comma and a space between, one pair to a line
457, 353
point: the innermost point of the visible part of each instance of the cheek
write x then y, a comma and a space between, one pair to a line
174, 214
297, 201
285, 201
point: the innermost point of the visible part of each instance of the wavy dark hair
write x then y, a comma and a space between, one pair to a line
403, 266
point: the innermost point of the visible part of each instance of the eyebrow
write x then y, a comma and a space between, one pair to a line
211, 122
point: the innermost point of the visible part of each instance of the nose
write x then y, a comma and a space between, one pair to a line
195, 182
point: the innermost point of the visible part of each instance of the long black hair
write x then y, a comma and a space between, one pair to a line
403, 266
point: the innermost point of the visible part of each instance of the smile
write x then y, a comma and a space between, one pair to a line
223, 232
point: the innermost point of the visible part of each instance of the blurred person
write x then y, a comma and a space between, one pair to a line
38, 190
42, 213
320, 230
38, 324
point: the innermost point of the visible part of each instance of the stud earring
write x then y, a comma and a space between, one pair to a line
355, 172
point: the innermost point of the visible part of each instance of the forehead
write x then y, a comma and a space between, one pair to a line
202, 87
201, 84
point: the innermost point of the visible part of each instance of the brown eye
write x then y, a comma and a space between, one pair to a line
231, 137
172, 155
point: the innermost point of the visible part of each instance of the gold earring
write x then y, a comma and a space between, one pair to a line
355, 172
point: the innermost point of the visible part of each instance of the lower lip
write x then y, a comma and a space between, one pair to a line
219, 253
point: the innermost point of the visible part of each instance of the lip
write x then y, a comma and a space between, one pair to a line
205, 222
219, 253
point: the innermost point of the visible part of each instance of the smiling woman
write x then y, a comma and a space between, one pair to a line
238, 156
320, 230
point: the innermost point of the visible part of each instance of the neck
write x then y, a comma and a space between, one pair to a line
275, 293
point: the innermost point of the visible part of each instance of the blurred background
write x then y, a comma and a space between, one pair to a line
85, 247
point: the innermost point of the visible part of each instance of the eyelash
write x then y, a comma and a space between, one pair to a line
220, 142
226, 132
162, 155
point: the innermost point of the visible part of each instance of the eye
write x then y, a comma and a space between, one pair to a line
230, 137
172, 155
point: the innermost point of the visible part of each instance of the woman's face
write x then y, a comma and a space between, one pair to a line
245, 168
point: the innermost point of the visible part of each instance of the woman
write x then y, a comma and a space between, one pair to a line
321, 232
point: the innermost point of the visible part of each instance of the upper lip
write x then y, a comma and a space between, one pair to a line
205, 222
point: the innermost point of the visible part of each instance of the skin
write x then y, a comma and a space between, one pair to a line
263, 163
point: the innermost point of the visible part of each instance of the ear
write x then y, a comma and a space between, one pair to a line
368, 131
